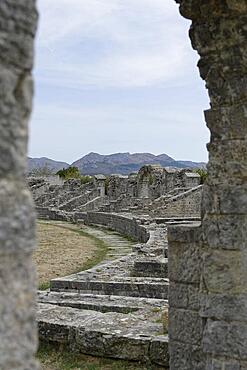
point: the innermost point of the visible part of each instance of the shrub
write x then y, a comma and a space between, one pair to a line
69, 173
203, 174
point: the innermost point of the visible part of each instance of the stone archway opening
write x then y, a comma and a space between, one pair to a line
208, 305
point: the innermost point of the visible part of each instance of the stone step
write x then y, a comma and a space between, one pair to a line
155, 251
126, 286
115, 335
101, 303
151, 268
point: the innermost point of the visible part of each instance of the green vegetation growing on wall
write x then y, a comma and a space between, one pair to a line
73, 173
69, 173
203, 174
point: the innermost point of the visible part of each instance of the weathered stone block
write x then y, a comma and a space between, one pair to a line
17, 218
227, 123
213, 364
224, 199
233, 169
184, 296
224, 307
225, 231
189, 233
186, 357
184, 262
158, 351
225, 271
18, 341
100, 344
185, 326
225, 339
222, 364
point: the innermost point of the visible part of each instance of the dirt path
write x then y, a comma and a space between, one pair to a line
62, 251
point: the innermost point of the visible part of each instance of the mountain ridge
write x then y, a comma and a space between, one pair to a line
122, 163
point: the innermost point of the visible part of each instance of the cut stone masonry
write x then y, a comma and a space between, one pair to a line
114, 309
152, 191
207, 263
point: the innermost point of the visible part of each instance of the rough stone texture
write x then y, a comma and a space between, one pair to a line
153, 190
185, 203
218, 33
185, 323
127, 226
112, 309
130, 337
17, 219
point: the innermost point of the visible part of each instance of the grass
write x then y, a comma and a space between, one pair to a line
44, 285
98, 255
58, 357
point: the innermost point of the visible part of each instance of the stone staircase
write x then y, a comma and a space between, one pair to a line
114, 309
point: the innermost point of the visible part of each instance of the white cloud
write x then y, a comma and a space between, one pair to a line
144, 43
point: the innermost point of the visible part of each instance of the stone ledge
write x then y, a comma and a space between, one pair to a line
134, 287
110, 335
101, 303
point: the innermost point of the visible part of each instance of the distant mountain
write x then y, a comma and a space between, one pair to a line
125, 163
121, 163
45, 163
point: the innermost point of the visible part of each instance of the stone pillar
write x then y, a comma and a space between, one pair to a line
185, 323
18, 339
219, 34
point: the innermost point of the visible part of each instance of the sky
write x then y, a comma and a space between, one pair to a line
116, 76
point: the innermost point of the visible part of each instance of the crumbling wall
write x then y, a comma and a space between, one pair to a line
18, 339
218, 33
187, 204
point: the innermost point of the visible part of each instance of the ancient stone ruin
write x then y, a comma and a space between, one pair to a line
154, 191
206, 262
122, 300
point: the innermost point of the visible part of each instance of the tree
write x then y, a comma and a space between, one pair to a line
69, 173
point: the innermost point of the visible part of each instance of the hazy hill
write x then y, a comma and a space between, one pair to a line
39, 163
122, 163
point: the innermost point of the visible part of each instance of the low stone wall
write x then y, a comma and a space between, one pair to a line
45, 213
185, 322
124, 225
185, 204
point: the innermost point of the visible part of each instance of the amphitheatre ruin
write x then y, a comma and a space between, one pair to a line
171, 290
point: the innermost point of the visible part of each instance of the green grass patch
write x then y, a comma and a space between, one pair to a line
44, 286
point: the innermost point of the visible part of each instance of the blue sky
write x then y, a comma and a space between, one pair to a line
116, 76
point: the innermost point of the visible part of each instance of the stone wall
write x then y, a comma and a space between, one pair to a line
18, 339
185, 323
187, 204
134, 193
124, 225
218, 33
